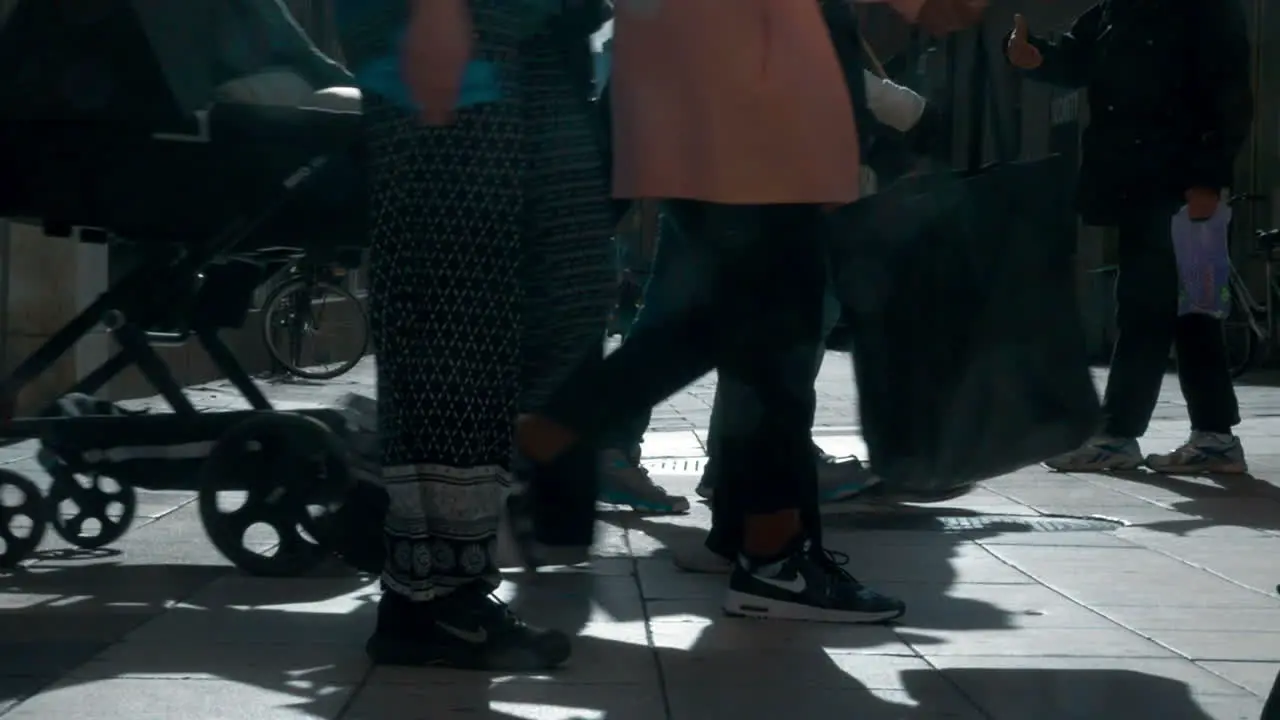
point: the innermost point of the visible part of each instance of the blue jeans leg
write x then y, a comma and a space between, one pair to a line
671, 285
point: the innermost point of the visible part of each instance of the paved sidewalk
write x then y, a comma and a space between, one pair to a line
1013, 615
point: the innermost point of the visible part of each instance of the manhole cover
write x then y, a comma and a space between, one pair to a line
952, 521
675, 466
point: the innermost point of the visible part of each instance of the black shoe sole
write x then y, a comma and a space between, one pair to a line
739, 604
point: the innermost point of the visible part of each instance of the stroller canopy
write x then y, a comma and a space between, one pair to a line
123, 59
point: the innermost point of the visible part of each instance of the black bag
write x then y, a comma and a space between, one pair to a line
1271, 710
959, 292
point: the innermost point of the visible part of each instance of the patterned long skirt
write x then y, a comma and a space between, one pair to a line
491, 273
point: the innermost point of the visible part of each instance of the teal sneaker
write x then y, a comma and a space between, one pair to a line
623, 482
1203, 454
842, 478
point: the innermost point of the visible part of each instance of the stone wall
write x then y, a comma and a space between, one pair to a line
46, 281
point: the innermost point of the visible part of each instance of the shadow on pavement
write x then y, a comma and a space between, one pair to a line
1214, 501
927, 556
711, 666
69, 620
651, 644
1068, 694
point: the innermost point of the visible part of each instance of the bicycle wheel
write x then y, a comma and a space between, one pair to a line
1240, 335
315, 330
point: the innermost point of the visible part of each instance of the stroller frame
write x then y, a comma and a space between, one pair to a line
285, 462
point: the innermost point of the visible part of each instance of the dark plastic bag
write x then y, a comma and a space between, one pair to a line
1271, 711
969, 354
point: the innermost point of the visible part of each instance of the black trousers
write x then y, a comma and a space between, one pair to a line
1148, 324
755, 315
562, 498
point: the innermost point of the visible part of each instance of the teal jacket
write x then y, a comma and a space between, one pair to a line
377, 69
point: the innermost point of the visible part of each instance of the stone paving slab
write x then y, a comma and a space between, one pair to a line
1174, 615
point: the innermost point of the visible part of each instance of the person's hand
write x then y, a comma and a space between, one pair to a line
943, 17
1202, 203
1021, 53
437, 48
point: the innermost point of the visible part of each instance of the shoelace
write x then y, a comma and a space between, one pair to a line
495, 609
502, 609
833, 562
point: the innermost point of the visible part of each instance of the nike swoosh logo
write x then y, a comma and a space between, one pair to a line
475, 637
796, 585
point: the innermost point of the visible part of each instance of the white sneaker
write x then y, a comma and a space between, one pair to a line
1101, 454
1203, 454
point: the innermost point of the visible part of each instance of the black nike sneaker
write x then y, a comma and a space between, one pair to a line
806, 585
468, 629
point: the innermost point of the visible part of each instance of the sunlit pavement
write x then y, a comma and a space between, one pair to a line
1173, 617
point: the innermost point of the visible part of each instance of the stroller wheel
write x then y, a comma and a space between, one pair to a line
264, 487
24, 518
90, 511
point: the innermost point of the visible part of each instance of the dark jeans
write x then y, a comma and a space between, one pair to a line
671, 285
753, 310
669, 288
1148, 323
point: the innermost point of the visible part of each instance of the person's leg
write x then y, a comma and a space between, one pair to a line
1205, 376
670, 288
658, 360
767, 372
716, 555
733, 415
630, 287
1146, 311
770, 298
627, 437
567, 273
741, 252
623, 480
838, 478
445, 312
766, 318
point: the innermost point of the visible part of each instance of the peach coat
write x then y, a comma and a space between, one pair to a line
732, 101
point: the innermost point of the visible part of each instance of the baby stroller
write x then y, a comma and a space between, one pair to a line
134, 123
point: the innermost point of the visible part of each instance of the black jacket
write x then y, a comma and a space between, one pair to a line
1170, 98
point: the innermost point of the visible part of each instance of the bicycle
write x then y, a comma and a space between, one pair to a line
294, 313
1249, 329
